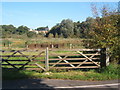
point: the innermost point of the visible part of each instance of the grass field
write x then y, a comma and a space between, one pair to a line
109, 73
12, 43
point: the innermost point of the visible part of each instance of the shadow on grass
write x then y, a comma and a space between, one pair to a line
16, 79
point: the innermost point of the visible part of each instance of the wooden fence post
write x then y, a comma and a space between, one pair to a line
107, 57
47, 60
103, 58
52, 46
26, 45
70, 46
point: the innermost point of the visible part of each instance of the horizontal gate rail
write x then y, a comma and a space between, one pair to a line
76, 63
75, 58
74, 49
53, 58
22, 59
75, 67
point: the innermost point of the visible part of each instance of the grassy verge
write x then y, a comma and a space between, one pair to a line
109, 73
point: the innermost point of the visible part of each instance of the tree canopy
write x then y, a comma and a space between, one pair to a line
105, 32
67, 28
9, 30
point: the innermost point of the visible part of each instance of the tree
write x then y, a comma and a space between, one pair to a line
106, 33
86, 27
65, 29
77, 29
7, 30
22, 30
31, 34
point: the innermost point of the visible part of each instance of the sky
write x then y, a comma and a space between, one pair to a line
41, 14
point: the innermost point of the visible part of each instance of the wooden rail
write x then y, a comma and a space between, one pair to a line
19, 60
49, 59
81, 58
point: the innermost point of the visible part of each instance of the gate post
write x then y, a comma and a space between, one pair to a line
47, 59
107, 57
104, 58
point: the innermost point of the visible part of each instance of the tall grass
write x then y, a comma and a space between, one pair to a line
20, 43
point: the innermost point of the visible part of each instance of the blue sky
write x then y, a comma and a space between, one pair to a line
40, 14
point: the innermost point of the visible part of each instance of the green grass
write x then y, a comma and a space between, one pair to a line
109, 73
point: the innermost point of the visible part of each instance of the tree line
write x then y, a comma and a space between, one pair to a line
69, 29
9, 30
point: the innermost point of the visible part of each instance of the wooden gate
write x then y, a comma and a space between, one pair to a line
58, 59
79, 58
23, 59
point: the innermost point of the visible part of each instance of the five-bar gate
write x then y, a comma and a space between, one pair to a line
54, 59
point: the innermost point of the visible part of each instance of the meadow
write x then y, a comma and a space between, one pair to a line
11, 43
108, 73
